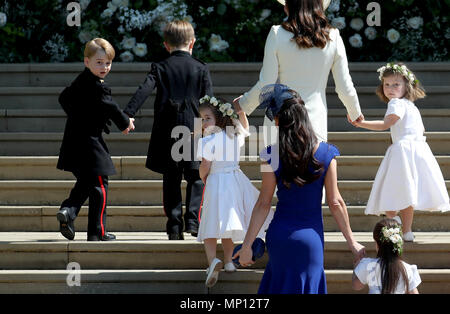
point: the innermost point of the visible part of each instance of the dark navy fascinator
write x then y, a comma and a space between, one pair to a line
272, 97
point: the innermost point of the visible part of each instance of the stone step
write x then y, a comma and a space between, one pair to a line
53, 120
186, 282
152, 218
136, 192
136, 144
132, 168
47, 97
222, 74
152, 250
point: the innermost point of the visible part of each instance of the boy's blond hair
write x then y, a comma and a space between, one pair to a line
178, 33
96, 44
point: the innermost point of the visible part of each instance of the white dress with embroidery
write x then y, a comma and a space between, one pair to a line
409, 174
228, 196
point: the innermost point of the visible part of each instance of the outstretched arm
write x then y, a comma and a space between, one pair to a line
378, 125
142, 93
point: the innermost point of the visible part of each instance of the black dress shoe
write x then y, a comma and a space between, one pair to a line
66, 226
176, 236
193, 230
105, 237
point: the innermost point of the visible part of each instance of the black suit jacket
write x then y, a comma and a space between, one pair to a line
181, 81
89, 108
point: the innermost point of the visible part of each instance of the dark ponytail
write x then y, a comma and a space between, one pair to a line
297, 141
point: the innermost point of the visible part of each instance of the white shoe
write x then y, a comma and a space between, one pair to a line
229, 267
212, 273
408, 237
398, 219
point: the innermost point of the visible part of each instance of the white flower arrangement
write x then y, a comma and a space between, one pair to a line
338, 22
370, 32
126, 56
225, 108
415, 22
393, 235
128, 42
357, 24
140, 49
216, 43
356, 41
400, 69
393, 35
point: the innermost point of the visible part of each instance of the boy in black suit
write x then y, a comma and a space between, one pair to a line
89, 108
181, 81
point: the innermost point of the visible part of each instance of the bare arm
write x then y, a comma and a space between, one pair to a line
356, 283
259, 215
339, 210
378, 125
205, 166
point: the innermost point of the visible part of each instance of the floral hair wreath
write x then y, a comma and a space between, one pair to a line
400, 69
393, 235
225, 108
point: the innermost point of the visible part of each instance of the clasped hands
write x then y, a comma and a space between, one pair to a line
130, 127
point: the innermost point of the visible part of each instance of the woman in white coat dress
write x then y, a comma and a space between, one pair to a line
300, 54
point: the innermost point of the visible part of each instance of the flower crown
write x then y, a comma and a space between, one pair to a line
225, 108
393, 235
400, 69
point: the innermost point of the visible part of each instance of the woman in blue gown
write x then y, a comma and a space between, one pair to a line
300, 167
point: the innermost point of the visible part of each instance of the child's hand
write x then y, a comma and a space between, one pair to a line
131, 127
357, 122
245, 257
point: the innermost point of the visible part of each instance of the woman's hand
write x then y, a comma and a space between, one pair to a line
237, 106
359, 251
245, 256
357, 122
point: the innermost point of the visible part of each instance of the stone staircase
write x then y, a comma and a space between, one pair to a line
34, 256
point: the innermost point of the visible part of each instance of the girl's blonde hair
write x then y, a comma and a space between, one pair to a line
97, 44
414, 89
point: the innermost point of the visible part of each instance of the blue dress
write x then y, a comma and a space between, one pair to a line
294, 239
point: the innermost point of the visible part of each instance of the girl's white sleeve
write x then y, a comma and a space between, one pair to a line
361, 270
268, 74
413, 277
205, 148
396, 106
344, 85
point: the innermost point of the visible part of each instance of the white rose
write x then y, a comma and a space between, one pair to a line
124, 3
84, 36
371, 33
223, 108
415, 22
214, 101
3, 19
111, 6
357, 23
126, 56
107, 13
264, 14
334, 6
140, 49
356, 41
229, 112
338, 22
393, 36
216, 43
128, 42
116, 2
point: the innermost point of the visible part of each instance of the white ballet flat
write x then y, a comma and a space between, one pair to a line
229, 267
213, 272
408, 237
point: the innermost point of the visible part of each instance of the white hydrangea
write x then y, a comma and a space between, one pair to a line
334, 6
84, 36
393, 35
338, 22
126, 56
56, 48
140, 49
3, 19
415, 22
357, 24
128, 42
216, 43
356, 41
371, 33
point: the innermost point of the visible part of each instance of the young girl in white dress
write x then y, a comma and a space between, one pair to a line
228, 196
387, 273
409, 177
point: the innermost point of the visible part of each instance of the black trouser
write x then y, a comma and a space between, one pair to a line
95, 188
172, 200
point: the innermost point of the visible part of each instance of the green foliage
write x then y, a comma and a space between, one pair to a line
226, 30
